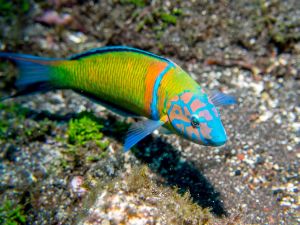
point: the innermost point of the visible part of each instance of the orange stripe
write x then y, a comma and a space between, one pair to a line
152, 73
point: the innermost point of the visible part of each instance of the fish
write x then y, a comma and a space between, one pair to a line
131, 82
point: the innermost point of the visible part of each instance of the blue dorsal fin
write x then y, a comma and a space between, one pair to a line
221, 99
140, 130
116, 49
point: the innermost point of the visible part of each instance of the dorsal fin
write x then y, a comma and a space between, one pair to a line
116, 49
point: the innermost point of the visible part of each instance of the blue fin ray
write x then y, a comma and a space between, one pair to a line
140, 130
35, 73
221, 99
109, 49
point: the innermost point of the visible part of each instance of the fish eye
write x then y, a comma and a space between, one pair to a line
195, 121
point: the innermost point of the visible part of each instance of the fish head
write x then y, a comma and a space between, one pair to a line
194, 117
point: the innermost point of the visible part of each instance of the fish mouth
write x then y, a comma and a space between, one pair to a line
215, 141
218, 140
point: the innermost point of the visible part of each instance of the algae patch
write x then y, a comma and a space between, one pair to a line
137, 3
84, 129
11, 114
11, 214
85, 139
9, 9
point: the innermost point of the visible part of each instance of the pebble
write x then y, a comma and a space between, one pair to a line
257, 87
77, 186
77, 37
265, 116
291, 117
237, 172
284, 203
276, 167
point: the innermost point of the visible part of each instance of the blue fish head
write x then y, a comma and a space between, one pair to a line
195, 117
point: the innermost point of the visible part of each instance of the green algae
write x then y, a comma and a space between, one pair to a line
9, 9
85, 143
10, 112
281, 31
84, 129
15, 109
137, 3
95, 158
157, 18
168, 18
3, 128
16, 124
13, 12
11, 214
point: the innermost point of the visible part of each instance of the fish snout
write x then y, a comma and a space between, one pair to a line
218, 139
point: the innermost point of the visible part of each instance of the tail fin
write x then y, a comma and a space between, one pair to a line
35, 73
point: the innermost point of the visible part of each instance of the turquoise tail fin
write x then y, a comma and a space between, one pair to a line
35, 73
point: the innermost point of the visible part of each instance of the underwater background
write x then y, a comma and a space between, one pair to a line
61, 157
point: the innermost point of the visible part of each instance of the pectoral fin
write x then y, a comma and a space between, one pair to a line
221, 99
165, 131
140, 130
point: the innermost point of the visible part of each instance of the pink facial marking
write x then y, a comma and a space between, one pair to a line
205, 130
216, 112
186, 112
205, 114
191, 130
176, 113
186, 97
196, 104
180, 127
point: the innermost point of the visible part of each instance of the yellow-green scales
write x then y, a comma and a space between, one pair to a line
129, 79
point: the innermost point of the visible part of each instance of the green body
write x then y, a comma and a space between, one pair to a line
124, 79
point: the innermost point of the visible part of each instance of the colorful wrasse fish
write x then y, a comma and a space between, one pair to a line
131, 82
